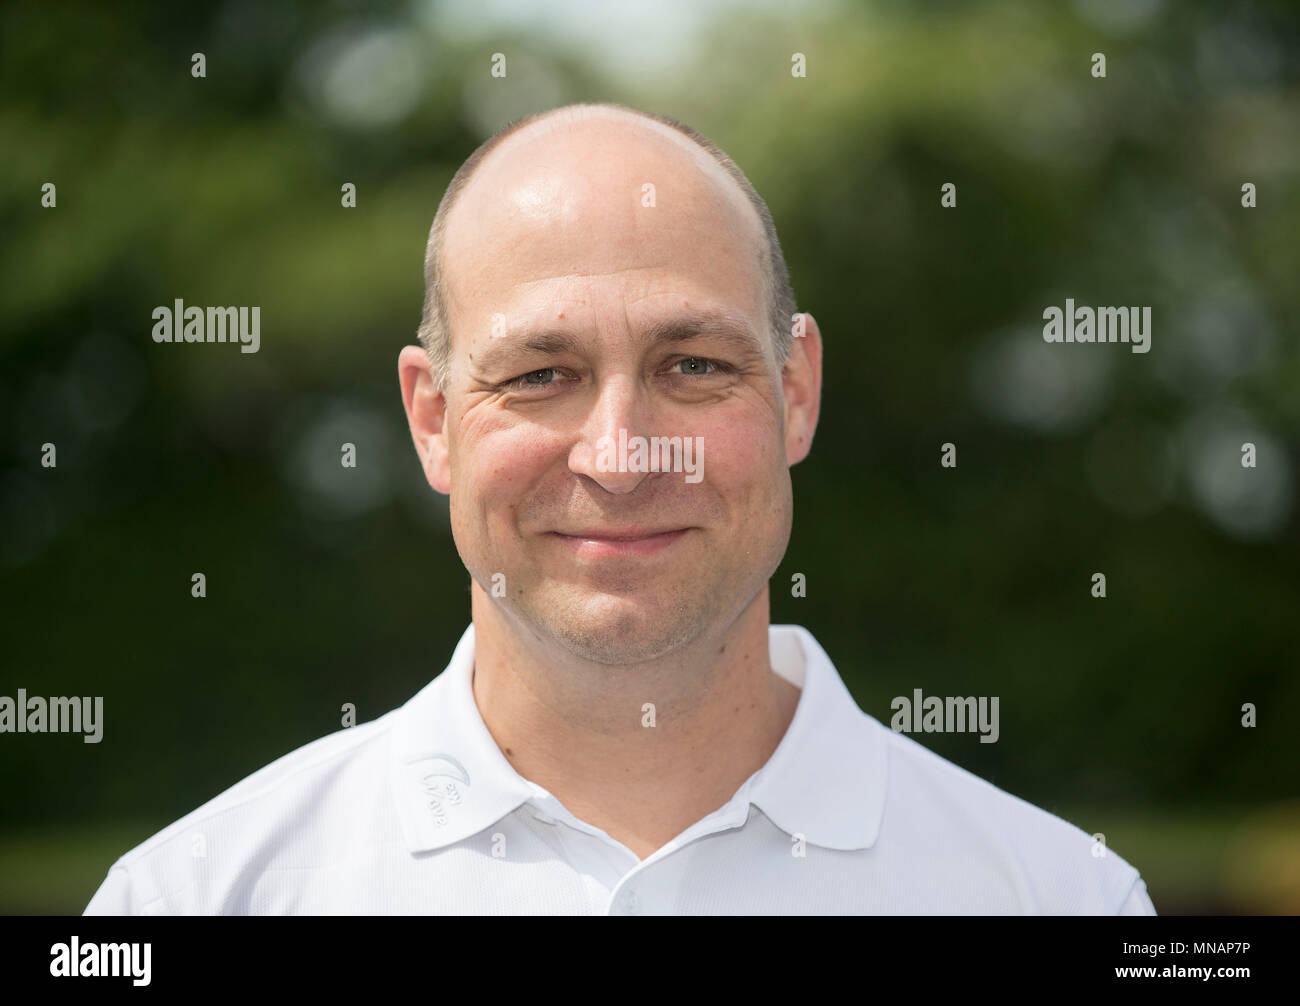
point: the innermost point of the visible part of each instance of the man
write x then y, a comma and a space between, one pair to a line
620, 730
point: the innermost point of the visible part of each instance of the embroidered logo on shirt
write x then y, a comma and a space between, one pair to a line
441, 778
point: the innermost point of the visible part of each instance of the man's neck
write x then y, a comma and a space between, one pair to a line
582, 730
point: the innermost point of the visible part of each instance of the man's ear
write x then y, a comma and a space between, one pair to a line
426, 413
801, 383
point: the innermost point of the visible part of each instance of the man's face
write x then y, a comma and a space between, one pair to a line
561, 282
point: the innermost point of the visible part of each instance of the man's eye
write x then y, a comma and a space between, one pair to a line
533, 378
696, 367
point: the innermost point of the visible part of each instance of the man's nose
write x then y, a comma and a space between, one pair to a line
620, 413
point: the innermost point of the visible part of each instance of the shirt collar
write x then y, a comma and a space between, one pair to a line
825, 781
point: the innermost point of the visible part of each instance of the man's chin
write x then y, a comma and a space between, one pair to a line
616, 629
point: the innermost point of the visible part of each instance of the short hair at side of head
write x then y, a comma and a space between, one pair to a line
435, 330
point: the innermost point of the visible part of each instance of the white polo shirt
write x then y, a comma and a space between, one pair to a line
419, 812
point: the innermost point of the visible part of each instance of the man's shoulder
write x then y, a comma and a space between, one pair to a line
270, 818
1054, 867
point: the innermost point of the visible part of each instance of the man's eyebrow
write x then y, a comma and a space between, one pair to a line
546, 343
720, 326
554, 342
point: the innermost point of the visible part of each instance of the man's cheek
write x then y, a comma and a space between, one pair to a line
727, 459
513, 459
497, 478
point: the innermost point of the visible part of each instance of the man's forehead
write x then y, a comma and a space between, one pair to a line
544, 168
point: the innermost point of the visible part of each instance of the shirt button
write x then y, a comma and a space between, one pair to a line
632, 903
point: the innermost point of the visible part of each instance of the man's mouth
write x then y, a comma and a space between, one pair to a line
620, 542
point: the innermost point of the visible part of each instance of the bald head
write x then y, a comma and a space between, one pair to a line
582, 167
